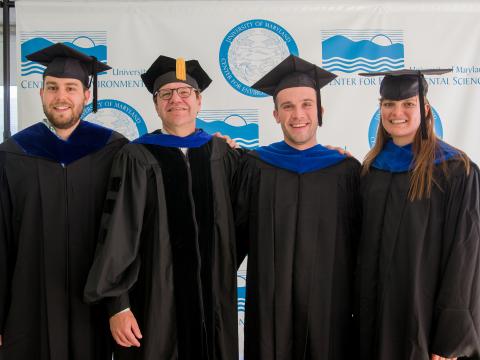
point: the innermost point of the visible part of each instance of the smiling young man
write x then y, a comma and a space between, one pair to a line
53, 179
167, 261
296, 213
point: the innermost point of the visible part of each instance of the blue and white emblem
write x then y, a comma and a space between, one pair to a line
250, 50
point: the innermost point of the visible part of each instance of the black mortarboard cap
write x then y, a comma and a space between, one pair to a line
166, 70
63, 61
295, 72
406, 83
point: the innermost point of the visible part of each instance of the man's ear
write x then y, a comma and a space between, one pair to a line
275, 115
87, 96
199, 99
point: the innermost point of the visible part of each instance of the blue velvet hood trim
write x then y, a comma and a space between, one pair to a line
38, 140
395, 158
195, 140
284, 156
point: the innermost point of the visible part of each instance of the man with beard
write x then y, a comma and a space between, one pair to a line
296, 212
167, 258
53, 180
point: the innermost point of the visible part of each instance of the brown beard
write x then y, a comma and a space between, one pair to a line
65, 124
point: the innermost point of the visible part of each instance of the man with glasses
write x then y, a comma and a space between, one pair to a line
167, 258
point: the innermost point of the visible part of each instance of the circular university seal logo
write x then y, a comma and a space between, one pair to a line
250, 50
118, 116
372, 129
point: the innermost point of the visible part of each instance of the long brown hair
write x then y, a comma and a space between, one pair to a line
424, 150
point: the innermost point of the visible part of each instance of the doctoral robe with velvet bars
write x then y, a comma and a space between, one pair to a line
167, 250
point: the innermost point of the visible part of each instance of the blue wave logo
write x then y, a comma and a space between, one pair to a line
242, 293
351, 51
241, 290
90, 43
240, 124
241, 296
372, 128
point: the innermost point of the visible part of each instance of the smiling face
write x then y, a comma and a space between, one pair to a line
178, 114
63, 100
401, 118
296, 112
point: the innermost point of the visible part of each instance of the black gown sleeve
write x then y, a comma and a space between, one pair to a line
243, 190
6, 254
456, 327
354, 206
231, 163
117, 262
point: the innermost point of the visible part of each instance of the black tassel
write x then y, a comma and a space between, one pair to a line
423, 121
319, 99
319, 107
94, 80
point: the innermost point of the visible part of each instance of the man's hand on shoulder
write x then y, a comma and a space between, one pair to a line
339, 149
232, 143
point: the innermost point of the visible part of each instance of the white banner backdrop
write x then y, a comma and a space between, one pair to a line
238, 42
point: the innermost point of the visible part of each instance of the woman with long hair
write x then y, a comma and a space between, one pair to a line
419, 258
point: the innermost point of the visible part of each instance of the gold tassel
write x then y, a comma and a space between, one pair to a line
181, 70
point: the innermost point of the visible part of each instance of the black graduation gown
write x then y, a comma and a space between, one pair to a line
49, 218
300, 234
168, 251
418, 284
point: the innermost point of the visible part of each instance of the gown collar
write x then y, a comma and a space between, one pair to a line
394, 158
284, 156
39, 140
195, 140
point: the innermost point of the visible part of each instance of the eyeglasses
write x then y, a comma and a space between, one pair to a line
183, 92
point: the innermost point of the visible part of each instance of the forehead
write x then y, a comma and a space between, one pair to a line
174, 85
296, 94
61, 81
412, 98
